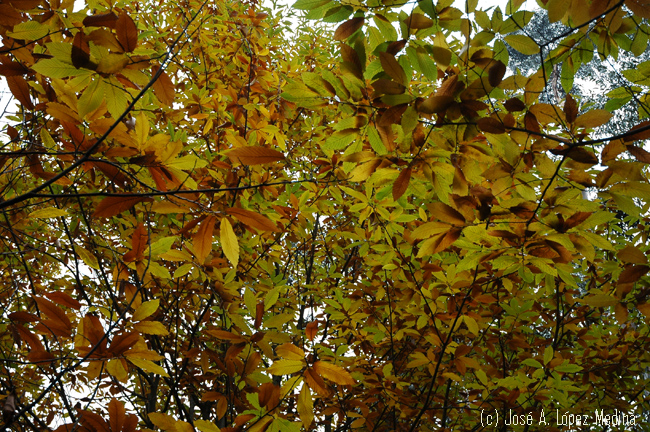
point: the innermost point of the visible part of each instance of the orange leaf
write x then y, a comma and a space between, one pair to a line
445, 213
127, 32
346, 29
114, 205
64, 299
116, 414
401, 183
631, 254
633, 273
311, 330
570, 109
123, 342
53, 312
163, 87
315, 382
640, 154
253, 219
20, 89
333, 373
254, 155
203, 239
639, 132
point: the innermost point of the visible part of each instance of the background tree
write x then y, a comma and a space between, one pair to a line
208, 225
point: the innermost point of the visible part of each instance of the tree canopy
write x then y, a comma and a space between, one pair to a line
377, 223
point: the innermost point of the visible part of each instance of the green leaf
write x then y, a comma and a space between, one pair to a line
532, 363
54, 68
29, 30
523, 44
568, 368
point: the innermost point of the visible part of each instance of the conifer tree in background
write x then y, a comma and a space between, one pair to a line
209, 223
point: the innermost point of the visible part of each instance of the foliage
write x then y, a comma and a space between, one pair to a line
209, 226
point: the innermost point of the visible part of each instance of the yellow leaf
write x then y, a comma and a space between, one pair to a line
593, 118
286, 367
203, 239
147, 365
289, 351
206, 426
88, 258
600, 300
306, 407
115, 367
471, 324
229, 242
146, 309
333, 373
151, 327
163, 421
452, 376
46, 213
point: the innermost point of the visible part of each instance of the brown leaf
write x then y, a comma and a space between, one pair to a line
116, 415
631, 255
496, 73
202, 241
491, 125
435, 104
514, 105
392, 68
531, 123
570, 109
114, 205
108, 19
347, 28
253, 219
123, 342
386, 86
80, 54
54, 313
582, 155
418, 21
163, 87
576, 219
20, 89
127, 32
64, 299
401, 183
640, 154
446, 213
633, 273
392, 115
612, 149
254, 155
638, 132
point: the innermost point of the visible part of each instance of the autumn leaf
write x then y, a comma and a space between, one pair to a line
114, 205
333, 373
203, 239
229, 243
254, 155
